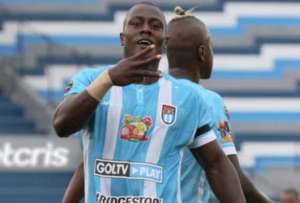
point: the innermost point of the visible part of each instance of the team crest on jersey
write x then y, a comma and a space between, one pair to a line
135, 129
224, 129
168, 114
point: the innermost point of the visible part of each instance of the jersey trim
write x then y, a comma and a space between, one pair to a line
202, 130
229, 150
179, 198
203, 139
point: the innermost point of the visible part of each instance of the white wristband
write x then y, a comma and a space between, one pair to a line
99, 86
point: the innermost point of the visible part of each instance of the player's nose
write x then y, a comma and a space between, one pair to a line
146, 29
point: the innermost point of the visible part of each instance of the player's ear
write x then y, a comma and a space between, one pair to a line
166, 39
201, 53
165, 44
122, 39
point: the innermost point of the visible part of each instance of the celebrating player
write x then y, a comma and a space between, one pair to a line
135, 141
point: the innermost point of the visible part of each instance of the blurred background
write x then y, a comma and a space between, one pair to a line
44, 42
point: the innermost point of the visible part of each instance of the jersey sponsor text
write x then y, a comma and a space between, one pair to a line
130, 170
126, 199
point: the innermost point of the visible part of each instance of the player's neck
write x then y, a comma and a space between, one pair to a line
185, 73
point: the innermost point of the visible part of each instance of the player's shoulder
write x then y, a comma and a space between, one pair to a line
188, 92
184, 84
89, 74
212, 96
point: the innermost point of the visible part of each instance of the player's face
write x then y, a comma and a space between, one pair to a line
145, 25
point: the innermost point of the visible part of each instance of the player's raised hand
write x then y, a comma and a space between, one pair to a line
136, 68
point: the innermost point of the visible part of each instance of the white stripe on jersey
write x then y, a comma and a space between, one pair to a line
159, 133
201, 188
203, 139
179, 199
111, 133
86, 147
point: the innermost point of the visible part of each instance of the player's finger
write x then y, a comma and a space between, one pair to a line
149, 80
144, 52
144, 79
149, 60
147, 73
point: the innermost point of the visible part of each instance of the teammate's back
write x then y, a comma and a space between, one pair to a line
195, 187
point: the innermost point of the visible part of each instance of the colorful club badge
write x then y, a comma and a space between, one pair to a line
135, 128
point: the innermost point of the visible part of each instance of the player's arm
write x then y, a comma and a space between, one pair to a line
75, 110
75, 190
252, 194
220, 173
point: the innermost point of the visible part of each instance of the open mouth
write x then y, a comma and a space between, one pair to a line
143, 43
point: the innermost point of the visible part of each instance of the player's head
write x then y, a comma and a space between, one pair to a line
189, 44
290, 196
144, 25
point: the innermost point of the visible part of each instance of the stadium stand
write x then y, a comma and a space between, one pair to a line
33, 187
11, 116
257, 70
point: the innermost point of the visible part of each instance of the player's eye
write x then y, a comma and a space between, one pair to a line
157, 26
135, 23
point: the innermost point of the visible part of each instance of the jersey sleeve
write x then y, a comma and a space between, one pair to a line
223, 128
204, 133
82, 80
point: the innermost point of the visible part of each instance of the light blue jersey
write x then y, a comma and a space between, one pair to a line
134, 148
195, 187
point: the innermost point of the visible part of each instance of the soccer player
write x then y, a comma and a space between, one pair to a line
134, 143
190, 56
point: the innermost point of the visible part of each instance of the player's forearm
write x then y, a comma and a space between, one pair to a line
74, 112
220, 172
224, 181
252, 194
75, 191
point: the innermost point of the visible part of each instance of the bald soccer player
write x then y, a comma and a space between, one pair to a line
190, 56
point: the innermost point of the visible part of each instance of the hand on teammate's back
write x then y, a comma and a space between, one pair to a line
136, 68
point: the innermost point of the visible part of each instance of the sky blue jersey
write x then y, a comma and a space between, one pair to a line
195, 187
133, 150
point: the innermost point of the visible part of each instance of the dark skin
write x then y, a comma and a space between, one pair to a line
197, 64
217, 166
75, 189
251, 193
